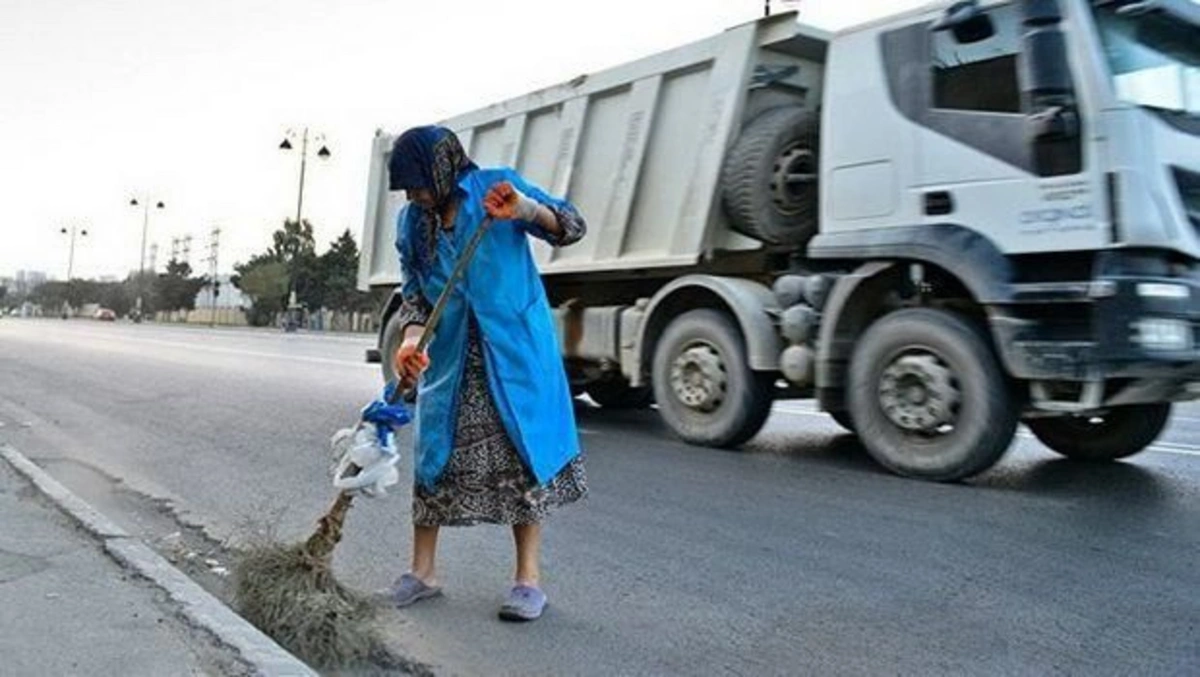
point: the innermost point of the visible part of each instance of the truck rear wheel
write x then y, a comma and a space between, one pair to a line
618, 394
769, 179
705, 389
1117, 433
928, 398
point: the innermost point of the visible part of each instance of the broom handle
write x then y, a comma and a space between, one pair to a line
443, 299
460, 267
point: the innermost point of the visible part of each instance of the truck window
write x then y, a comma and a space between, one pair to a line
981, 76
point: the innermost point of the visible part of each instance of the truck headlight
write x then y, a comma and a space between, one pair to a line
1157, 333
1158, 290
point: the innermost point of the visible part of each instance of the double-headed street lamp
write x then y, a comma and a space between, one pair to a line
73, 232
144, 203
322, 153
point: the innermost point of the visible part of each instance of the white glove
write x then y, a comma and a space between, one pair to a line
527, 207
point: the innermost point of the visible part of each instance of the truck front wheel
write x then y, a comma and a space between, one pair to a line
1116, 433
705, 389
928, 398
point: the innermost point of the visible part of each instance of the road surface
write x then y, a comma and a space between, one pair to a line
795, 556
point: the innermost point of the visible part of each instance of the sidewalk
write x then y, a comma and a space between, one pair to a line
67, 609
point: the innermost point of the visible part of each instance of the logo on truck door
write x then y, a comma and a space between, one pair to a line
1053, 216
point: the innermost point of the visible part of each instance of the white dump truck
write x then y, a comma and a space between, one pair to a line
938, 224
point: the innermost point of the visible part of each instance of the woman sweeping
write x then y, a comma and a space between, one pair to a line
495, 429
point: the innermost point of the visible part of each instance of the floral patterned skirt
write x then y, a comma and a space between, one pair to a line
485, 480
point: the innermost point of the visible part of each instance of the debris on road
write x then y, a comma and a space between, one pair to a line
289, 591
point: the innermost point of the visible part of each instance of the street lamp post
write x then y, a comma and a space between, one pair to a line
145, 205
323, 153
767, 5
74, 232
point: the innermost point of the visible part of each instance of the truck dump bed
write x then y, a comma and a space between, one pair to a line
638, 148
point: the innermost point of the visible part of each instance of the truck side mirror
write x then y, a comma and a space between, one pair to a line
966, 22
1049, 90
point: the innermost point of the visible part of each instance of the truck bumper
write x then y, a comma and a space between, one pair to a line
1110, 328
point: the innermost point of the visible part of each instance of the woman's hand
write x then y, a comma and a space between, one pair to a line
409, 362
506, 203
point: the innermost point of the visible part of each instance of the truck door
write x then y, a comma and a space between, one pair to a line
983, 160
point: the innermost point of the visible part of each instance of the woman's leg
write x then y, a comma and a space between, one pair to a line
424, 555
528, 539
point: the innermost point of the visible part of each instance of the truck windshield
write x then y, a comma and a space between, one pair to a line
1154, 58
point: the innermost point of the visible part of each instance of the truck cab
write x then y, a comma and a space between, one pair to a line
1029, 169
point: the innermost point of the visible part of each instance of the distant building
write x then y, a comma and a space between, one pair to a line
28, 280
229, 297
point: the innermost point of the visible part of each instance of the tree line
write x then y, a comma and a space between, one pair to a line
290, 264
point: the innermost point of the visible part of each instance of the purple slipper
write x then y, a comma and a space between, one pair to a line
524, 603
408, 590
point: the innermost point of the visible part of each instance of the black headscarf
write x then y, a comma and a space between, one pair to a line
431, 158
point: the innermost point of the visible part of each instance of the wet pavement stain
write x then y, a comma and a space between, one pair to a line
15, 565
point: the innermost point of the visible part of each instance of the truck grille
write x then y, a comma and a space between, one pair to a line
1189, 192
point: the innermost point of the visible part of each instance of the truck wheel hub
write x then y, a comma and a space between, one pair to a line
919, 394
698, 378
793, 179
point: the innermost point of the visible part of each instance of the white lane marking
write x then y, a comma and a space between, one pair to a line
257, 353
227, 351
1158, 447
133, 332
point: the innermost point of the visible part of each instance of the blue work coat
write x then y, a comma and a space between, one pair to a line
503, 290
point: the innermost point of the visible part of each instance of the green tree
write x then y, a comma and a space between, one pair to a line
146, 283
295, 246
265, 280
339, 276
291, 263
176, 289
50, 295
116, 297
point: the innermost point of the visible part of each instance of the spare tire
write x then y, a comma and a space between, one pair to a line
769, 180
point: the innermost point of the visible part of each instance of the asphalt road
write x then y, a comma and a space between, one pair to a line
795, 556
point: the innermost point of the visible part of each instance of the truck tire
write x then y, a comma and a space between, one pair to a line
769, 179
1117, 433
388, 345
618, 394
703, 384
928, 397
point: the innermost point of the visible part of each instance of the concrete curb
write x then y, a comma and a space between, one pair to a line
86, 515
261, 652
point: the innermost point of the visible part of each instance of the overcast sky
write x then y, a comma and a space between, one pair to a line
186, 101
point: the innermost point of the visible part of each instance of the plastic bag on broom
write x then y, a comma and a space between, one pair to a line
365, 454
